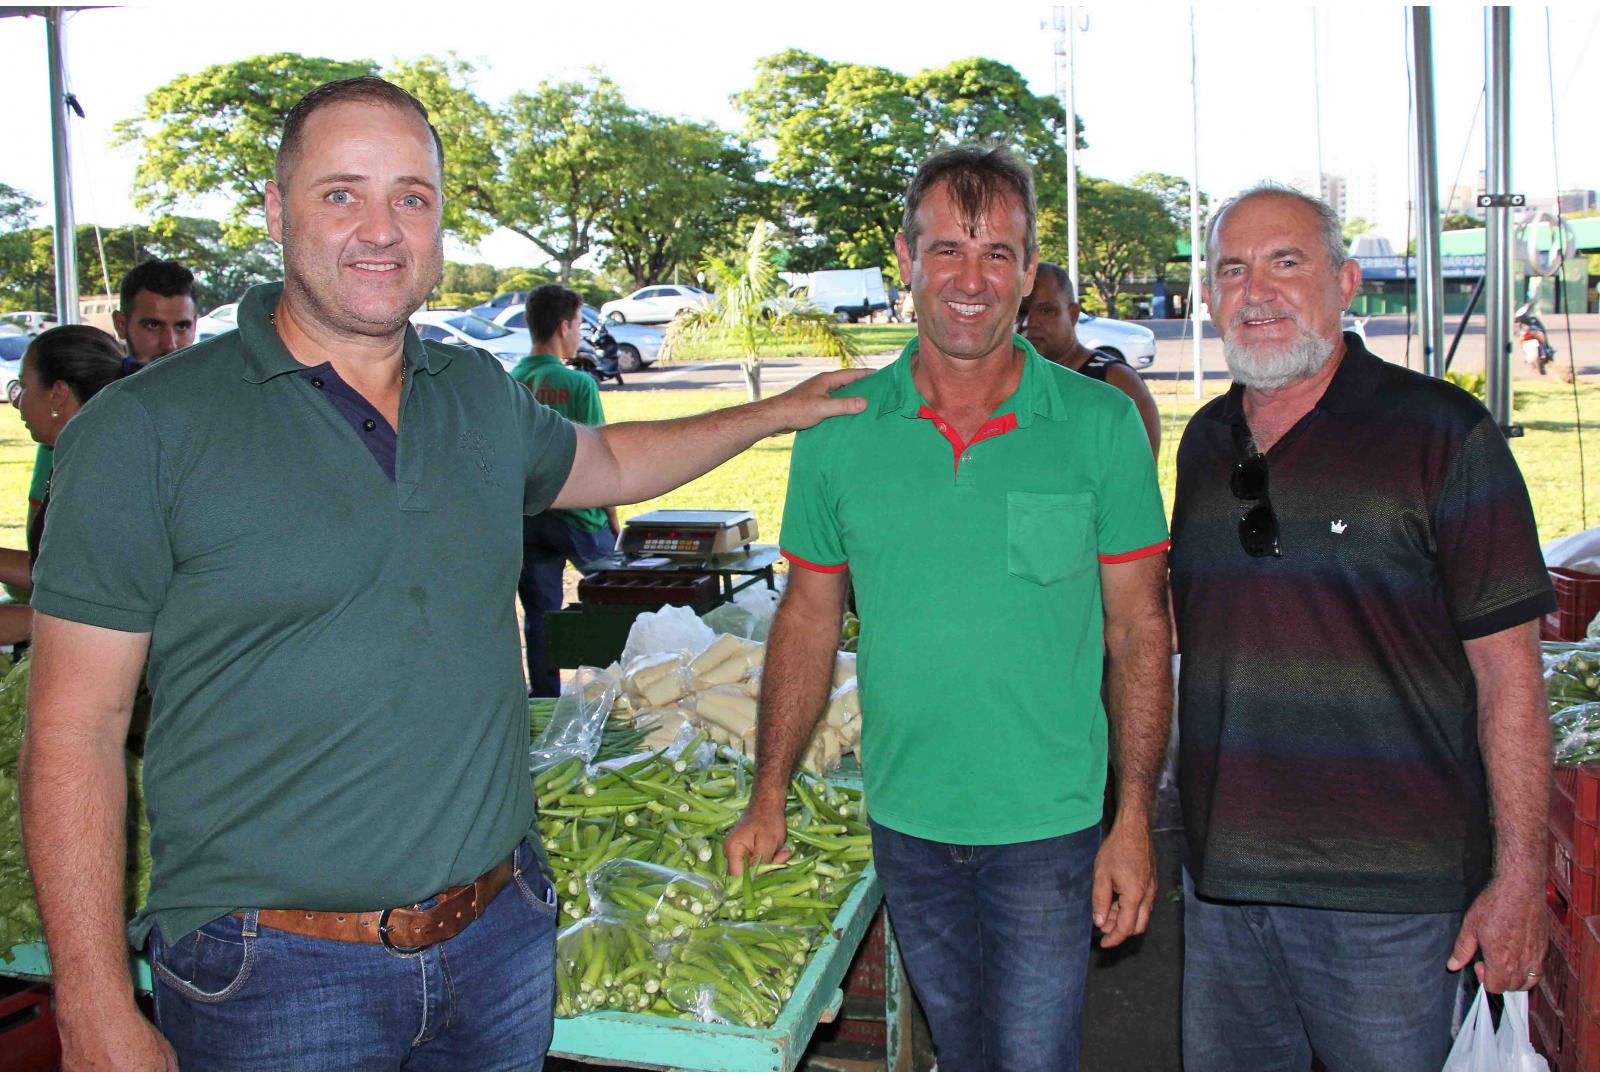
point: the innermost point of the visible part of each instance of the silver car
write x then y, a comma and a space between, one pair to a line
1130, 342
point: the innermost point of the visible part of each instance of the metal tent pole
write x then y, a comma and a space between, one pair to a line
1497, 297
66, 238
1195, 248
1430, 279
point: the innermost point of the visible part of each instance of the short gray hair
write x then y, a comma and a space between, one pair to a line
1328, 223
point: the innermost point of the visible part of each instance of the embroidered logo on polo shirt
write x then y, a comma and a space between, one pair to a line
475, 444
1337, 526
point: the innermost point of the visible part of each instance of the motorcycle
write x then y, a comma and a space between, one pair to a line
1536, 347
597, 354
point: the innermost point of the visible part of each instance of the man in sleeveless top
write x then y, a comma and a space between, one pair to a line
1049, 320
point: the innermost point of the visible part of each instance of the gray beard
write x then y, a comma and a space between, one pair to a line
1272, 368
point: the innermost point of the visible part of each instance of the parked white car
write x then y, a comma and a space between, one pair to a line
455, 327
219, 320
655, 304
1131, 342
30, 322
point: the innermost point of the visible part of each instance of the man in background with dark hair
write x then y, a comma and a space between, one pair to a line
1002, 524
556, 537
346, 872
1049, 320
156, 316
156, 313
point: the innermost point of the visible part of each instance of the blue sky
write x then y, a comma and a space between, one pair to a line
1257, 94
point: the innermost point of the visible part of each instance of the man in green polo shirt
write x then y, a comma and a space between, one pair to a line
318, 525
556, 537
1001, 521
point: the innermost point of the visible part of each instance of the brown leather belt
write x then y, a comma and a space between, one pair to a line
401, 929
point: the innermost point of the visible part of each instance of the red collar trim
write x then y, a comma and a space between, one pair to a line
996, 425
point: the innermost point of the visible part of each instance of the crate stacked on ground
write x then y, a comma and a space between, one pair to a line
651, 919
1565, 1011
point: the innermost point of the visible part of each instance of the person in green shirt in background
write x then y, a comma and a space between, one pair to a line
552, 539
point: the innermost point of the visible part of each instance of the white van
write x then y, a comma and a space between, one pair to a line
848, 294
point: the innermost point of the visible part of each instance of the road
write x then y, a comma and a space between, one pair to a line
1174, 357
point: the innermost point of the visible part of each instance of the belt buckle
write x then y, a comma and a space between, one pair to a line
388, 946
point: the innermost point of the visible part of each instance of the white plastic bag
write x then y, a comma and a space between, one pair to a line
1480, 1048
1580, 552
671, 629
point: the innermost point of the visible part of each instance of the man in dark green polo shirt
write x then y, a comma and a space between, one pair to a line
318, 525
1000, 518
556, 537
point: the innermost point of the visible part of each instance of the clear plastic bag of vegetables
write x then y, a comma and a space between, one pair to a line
1575, 734
1571, 676
736, 973
578, 722
604, 963
668, 903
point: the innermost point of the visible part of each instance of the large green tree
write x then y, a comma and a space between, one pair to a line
1173, 192
682, 189
1122, 232
847, 139
213, 134
559, 168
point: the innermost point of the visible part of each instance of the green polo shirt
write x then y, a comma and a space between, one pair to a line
977, 576
575, 396
339, 717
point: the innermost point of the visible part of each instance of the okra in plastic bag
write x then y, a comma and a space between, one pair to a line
667, 902
579, 720
736, 973
1575, 734
604, 963
1572, 677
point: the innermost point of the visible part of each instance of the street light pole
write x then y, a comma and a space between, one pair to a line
1497, 219
1430, 280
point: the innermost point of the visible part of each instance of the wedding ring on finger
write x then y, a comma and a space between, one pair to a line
1533, 976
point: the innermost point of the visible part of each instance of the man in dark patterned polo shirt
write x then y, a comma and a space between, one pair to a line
1364, 754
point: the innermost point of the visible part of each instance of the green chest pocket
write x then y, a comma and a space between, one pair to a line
1050, 536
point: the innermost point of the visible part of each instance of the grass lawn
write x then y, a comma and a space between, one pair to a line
755, 480
1548, 453
884, 338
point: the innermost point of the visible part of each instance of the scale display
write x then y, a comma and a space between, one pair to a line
687, 534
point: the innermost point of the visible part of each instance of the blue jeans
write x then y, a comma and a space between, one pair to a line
236, 996
549, 542
1267, 986
996, 944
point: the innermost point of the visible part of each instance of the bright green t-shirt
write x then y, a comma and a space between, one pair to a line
977, 577
575, 396
339, 720
41, 474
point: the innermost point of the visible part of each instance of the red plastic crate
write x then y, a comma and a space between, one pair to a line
1577, 601
1577, 884
29, 1041
1557, 985
1581, 786
1586, 983
1586, 1040
1543, 1029
866, 979
1560, 923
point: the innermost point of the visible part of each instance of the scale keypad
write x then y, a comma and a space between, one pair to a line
672, 545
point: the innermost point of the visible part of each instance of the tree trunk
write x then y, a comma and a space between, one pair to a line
752, 379
565, 276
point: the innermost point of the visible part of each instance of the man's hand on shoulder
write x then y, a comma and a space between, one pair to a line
813, 402
116, 1040
1505, 923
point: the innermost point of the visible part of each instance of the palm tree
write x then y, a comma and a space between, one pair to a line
748, 311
